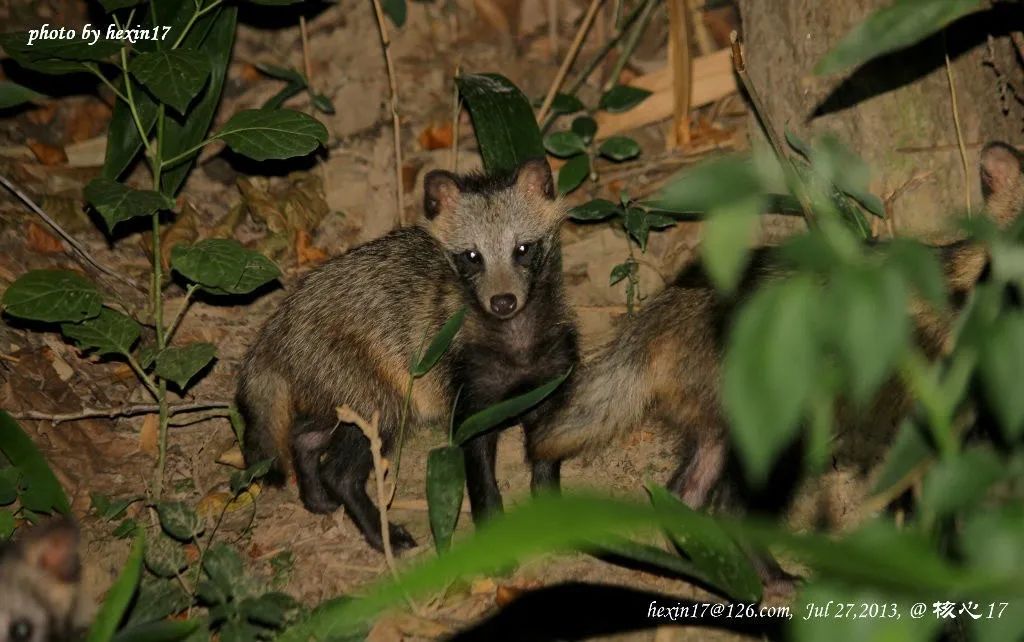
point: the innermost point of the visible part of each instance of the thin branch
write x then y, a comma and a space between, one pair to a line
306, 64
605, 48
169, 333
956, 123
80, 251
631, 44
456, 110
372, 432
122, 411
570, 57
396, 123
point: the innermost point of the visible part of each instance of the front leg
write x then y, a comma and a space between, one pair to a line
484, 496
546, 477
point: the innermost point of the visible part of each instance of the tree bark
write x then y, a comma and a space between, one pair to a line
895, 112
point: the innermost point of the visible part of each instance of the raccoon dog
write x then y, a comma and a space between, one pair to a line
39, 584
664, 365
346, 334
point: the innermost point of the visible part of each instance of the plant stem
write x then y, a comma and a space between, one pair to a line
395, 120
631, 43
130, 99
94, 69
574, 49
191, 21
158, 308
177, 158
608, 46
169, 333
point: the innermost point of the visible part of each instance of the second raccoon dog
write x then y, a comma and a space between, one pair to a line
346, 334
664, 365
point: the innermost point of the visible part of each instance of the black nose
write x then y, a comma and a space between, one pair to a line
503, 304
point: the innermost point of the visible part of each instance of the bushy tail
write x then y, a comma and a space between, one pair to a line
609, 394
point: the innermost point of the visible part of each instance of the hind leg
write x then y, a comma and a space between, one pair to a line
309, 442
481, 482
344, 470
694, 479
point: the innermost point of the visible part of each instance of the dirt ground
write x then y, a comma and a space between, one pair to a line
349, 193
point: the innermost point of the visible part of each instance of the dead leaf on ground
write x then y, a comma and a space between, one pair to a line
89, 118
436, 137
218, 501
40, 240
232, 457
306, 252
43, 115
46, 154
149, 436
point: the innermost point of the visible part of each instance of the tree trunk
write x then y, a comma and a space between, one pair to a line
895, 112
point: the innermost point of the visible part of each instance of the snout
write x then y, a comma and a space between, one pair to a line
504, 305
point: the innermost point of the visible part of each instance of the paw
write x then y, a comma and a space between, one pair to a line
401, 540
320, 504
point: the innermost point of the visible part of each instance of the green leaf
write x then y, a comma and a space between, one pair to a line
9, 478
52, 296
585, 127
178, 520
446, 481
396, 10
990, 541
180, 364
503, 120
909, 450
597, 209
439, 345
224, 568
564, 144
652, 556
711, 185
123, 140
659, 221
12, 94
622, 98
722, 563
127, 528
566, 104
7, 525
159, 631
165, 557
41, 492
241, 479
901, 24
117, 202
770, 370
1002, 370
920, 268
108, 333
223, 266
174, 76
798, 144
573, 173
56, 55
635, 222
270, 609
119, 596
729, 232
959, 482
212, 34
499, 412
844, 169
107, 509
273, 133
848, 621
621, 271
157, 599
619, 148
322, 103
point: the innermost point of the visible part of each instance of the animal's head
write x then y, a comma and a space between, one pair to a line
500, 232
1002, 183
39, 583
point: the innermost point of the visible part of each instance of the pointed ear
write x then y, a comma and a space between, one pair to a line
1000, 168
441, 193
53, 548
534, 178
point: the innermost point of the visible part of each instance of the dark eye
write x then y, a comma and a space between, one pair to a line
20, 630
472, 256
522, 253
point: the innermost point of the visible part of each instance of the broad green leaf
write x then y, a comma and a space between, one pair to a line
123, 140
566, 104
446, 481
621, 271
494, 415
241, 479
157, 599
159, 631
564, 144
9, 478
181, 364
991, 542
723, 564
597, 209
108, 509
848, 617
659, 221
224, 568
909, 449
119, 596
651, 556
117, 202
239, 631
711, 185
223, 266
7, 525
396, 10
920, 268
729, 232
622, 98
585, 127
41, 492
52, 296
178, 520
212, 34
635, 222
573, 173
619, 148
770, 370
273, 134
270, 609
439, 345
174, 76
12, 94
110, 332
1002, 370
844, 169
165, 557
322, 102
127, 528
503, 121
281, 73
539, 525
56, 55
901, 24
956, 483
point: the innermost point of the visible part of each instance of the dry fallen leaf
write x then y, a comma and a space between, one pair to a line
482, 586
306, 252
40, 240
436, 137
149, 435
219, 501
232, 457
43, 115
47, 154
86, 120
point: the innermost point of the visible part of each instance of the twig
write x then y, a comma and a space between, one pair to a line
393, 83
614, 40
453, 161
82, 253
570, 57
123, 411
306, 66
681, 64
956, 123
630, 46
372, 432
181, 313
740, 66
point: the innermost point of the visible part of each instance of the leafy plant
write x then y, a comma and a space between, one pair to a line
167, 91
28, 486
